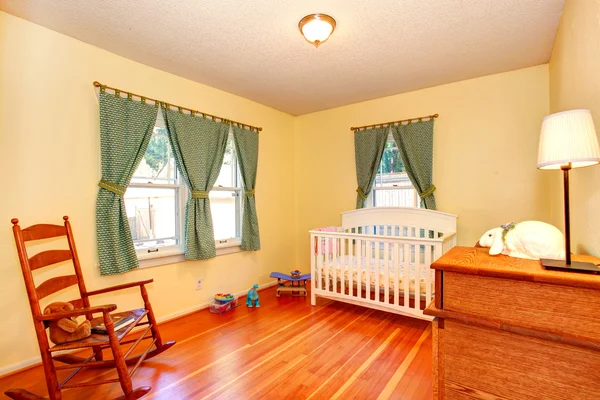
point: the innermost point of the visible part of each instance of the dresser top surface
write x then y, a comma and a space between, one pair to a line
477, 261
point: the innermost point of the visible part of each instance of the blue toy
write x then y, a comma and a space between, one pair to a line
253, 297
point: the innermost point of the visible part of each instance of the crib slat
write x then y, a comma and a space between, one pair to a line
313, 266
328, 255
351, 252
377, 270
417, 285
334, 262
319, 262
406, 274
367, 268
428, 274
437, 251
363, 267
396, 274
386, 284
325, 264
343, 257
358, 268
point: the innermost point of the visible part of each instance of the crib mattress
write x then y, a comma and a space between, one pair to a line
372, 267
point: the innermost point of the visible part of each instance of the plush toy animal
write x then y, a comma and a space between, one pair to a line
66, 329
253, 297
528, 239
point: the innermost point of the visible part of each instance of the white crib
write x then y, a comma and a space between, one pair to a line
380, 258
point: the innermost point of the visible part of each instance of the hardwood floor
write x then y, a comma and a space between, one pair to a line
286, 349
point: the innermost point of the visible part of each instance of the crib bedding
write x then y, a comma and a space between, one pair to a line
362, 264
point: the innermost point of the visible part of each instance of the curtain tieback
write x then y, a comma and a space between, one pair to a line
249, 193
112, 187
199, 194
361, 193
427, 192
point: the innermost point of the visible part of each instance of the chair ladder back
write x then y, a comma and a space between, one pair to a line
45, 258
49, 257
54, 285
42, 231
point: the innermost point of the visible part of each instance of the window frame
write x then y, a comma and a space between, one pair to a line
181, 194
372, 197
239, 204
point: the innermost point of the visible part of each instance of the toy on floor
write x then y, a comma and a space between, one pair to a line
253, 297
299, 289
66, 329
223, 303
223, 298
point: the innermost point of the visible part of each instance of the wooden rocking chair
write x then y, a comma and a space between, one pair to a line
112, 340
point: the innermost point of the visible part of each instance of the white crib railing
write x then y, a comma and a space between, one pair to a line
384, 267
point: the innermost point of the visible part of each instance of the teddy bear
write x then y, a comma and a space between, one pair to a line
66, 329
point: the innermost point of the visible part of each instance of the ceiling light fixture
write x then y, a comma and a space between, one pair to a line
316, 28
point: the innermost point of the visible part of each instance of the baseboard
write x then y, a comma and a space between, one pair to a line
20, 366
187, 311
35, 361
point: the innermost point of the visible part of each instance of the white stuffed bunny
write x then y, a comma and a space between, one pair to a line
528, 239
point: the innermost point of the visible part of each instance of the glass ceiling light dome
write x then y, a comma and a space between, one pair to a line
316, 28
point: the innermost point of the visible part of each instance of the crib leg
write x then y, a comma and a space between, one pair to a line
313, 298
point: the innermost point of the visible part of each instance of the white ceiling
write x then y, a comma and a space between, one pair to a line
253, 48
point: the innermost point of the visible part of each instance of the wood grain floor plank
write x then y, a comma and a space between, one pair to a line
416, 382
373, 380
399, 374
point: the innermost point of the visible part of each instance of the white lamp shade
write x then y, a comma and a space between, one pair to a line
568, 137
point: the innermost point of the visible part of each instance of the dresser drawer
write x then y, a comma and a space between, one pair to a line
551, 308
483, 363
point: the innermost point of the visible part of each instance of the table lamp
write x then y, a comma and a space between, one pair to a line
568, 140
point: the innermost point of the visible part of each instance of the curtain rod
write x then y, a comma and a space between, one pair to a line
420, 119
203, 114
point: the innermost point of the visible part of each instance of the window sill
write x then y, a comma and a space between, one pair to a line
148, 260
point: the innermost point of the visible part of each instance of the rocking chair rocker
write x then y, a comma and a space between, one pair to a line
112, 340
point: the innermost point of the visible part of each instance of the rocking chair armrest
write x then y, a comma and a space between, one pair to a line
119, 287
80, 311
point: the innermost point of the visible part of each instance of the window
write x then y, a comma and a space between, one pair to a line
226, 200
156, 197
392, 187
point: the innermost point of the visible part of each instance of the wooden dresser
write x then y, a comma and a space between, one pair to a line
506, 328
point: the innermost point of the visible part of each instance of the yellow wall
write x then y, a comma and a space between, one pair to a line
485, 152
50, 158
575, 83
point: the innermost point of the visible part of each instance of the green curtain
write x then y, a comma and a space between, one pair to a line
125, 131
368, 149
246, 147
198, 148
415, 144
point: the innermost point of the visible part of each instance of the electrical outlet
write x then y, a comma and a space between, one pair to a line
198, 283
